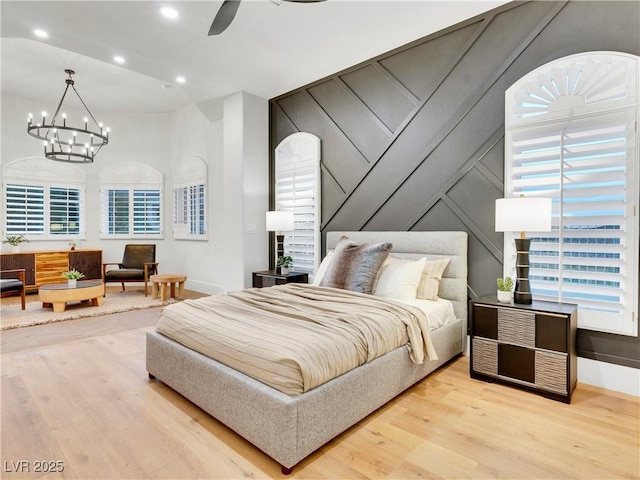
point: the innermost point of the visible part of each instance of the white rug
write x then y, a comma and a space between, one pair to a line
11, 316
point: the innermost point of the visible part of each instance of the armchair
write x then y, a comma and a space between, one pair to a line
138, 264
12, 282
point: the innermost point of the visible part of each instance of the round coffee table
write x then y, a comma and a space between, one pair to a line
167, 279
58, 294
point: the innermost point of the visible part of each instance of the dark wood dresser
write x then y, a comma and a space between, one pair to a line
528, 346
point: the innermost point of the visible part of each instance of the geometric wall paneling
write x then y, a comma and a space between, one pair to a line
385, 98
339, 155
437, 109
437, 57
280, 125
356, 122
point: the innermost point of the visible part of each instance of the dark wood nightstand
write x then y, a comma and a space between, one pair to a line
529, 346
268, 278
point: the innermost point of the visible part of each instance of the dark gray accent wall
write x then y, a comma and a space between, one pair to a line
414, 139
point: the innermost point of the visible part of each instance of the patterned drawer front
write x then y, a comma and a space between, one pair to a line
551, 371
485, 356
50, 265
517, 327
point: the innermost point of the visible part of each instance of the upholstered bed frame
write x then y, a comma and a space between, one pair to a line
290, 428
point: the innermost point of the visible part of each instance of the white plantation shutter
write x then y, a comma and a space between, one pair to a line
190, 199
65, 210
577, 144
131, 212
297, 189
45, 211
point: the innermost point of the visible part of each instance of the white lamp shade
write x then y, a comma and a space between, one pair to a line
279, 221
520, 214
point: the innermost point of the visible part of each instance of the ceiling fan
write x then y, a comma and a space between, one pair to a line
228, 10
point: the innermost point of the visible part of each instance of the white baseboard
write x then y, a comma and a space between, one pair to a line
204, 287
607, 375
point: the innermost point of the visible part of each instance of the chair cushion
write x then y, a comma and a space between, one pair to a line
124, 274
10, 285
135, 256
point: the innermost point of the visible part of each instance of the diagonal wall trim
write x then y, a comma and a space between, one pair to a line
411, 116
395, 82
331, 122
461, 113
473, 162
362, 105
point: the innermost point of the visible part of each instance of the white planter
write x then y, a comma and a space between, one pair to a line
72, 282
505, 297
284, 270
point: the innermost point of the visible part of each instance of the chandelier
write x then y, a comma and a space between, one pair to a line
65, 143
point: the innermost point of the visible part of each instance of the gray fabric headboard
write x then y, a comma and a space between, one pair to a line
433, 245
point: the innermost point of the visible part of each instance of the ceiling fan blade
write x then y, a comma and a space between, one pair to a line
224, 17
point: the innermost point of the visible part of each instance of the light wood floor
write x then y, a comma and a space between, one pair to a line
79, 394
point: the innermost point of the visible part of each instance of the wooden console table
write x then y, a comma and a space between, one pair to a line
46, 266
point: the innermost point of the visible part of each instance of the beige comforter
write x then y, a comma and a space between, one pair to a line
295, 337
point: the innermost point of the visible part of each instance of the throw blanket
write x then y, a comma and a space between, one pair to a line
295, 337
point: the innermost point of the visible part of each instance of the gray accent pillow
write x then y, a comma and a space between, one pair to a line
355, 266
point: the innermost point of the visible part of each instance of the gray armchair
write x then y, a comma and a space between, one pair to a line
138, 264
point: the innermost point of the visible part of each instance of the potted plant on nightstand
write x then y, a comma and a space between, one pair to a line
505, 289
15, 241
284, 263
72, 277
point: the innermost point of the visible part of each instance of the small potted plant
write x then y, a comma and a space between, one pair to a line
505, 289
15, 241
72, 277
284, 263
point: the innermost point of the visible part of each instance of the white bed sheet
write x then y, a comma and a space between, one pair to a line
439, 312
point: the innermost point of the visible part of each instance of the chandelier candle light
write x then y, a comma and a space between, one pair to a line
520, 214
65, 143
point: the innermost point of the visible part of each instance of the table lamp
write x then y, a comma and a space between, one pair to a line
520, 214
279, 221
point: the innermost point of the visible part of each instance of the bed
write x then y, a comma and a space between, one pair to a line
289, 428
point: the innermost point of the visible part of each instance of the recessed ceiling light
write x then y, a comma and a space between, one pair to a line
118, 59
40, 33
181, 79
169, 12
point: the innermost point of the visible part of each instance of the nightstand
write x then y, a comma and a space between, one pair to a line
268, 278
528, 346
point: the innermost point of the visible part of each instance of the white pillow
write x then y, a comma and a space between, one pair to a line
322, 269
431, 276
399, 278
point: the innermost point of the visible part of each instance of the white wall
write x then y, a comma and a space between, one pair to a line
235, 149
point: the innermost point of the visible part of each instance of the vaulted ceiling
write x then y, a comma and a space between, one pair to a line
270, 48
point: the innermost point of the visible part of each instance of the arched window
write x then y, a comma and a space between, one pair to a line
131, 202
571, 135
297, 189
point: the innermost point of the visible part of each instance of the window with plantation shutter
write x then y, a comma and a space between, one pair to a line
131, 209
65, 205
189, 199
297, 189
24, 209
132, 212
44, 211
571, 135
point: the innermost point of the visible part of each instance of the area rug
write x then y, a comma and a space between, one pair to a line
11, 316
